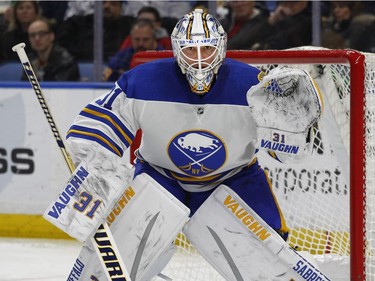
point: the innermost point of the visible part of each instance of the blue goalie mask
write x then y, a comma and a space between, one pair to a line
199, 46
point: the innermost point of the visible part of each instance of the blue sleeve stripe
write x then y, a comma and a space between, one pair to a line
96, 136
114, 96
110, 120
124, 138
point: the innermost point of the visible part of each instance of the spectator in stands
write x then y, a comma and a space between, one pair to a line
348, 27
362, 36
268, 6
52, 62
336, 28
173, 9
170, 11
143, 39
23, 13
79, 8
287, 27
77, 32
161, 34
54, 10
5, 16
244, 27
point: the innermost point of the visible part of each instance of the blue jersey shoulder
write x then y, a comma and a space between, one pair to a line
163, 80
151, 80
233, 81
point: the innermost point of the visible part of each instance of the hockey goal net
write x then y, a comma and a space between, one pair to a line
328, 201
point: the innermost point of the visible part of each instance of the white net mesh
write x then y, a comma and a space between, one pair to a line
315, 196
370, 166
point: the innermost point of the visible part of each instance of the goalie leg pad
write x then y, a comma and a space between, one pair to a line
144, 230
239, 244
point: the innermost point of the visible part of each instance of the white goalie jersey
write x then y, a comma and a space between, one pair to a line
185, 137
181, 135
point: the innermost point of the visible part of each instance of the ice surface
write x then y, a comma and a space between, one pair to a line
36, 259
52, 260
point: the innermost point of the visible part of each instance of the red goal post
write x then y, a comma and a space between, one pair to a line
356, 62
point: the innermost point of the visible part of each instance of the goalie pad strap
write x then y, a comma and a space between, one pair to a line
244, 247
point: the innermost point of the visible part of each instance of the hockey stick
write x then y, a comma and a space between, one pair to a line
103, 234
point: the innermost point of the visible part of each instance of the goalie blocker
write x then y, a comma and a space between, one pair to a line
244, 247
285, 105
90, 194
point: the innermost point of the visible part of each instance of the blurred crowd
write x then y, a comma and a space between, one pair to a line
60, 34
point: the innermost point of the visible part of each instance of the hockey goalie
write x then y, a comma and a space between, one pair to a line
203, 118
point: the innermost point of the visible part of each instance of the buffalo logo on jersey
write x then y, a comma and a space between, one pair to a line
197, 153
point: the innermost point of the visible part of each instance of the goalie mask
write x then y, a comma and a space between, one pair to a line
199, 46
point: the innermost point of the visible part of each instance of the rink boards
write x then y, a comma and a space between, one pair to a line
32, 168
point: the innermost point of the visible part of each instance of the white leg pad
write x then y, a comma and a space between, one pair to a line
144, 228
240, 245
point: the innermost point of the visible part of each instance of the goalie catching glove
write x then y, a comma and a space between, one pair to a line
285, 105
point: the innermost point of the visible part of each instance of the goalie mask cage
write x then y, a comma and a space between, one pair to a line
328, 201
